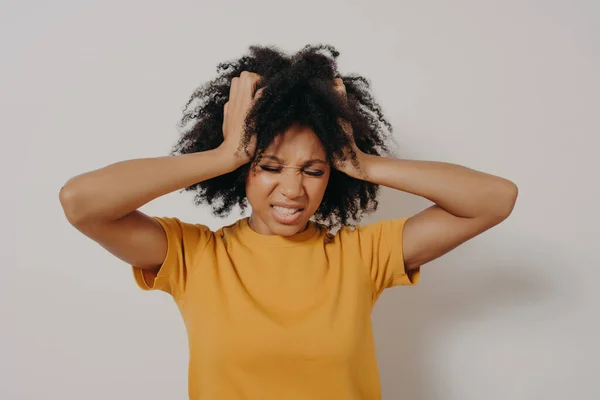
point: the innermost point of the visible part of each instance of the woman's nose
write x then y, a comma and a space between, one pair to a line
291, 184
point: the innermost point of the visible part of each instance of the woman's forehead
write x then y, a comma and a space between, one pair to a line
296, 145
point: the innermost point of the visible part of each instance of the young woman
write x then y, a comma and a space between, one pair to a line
276, 305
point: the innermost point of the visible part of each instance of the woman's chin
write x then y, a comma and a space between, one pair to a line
274, 226
286, 228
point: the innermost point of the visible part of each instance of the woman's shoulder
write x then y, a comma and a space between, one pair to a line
185, 229
373, 228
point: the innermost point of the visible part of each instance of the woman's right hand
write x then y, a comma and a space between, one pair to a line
241, 100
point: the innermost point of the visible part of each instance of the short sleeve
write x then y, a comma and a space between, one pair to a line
380, 245
185, 241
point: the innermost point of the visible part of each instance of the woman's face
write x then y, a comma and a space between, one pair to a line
288, 184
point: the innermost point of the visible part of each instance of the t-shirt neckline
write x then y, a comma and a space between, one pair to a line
261, 239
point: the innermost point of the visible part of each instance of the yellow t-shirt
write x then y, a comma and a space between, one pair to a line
272, 317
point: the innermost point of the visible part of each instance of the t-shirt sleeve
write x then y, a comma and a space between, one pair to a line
380, 245
185, 242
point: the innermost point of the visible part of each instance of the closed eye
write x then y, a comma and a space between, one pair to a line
270, 169
314, 172
310, 172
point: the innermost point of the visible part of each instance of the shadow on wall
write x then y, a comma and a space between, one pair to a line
461, 289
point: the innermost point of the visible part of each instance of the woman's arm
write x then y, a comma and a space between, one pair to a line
467, 202
114, 191
102, 204
459, 190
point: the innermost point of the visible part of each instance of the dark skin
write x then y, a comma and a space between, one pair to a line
103, 204
467, 202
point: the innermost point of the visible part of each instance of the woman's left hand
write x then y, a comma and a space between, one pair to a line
347, 166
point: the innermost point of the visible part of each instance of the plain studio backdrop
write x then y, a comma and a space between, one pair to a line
507, 87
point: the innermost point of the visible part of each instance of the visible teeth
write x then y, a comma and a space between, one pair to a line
285, 210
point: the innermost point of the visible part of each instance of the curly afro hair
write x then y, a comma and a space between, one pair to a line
297, 89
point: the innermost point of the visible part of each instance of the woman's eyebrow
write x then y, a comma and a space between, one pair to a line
309, 162
274, 158
315, 161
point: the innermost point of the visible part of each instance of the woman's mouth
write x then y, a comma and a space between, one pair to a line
286, 215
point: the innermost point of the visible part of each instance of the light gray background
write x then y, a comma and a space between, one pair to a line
506, 87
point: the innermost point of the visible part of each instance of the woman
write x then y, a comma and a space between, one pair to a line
276, 306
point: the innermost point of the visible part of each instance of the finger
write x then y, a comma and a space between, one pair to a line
258, 93
250, 80
233, 90
339, 87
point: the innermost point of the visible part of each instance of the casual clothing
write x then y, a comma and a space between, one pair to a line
273, 317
